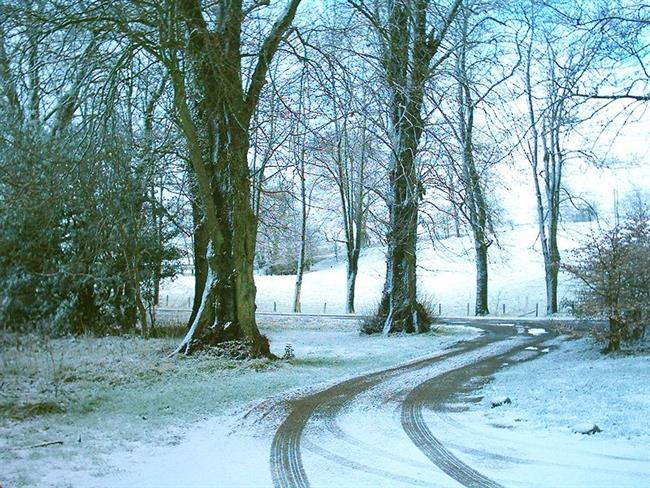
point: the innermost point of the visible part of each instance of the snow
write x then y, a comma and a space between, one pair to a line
327, 352
573, 385
446, 276
207, 457
530, 441
536, 331
576, 382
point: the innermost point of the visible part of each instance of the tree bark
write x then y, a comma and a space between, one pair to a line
475, 201
200, 240
547, 170
218, 138
301, 152
481, 306
300, 266
407, 51
399, 301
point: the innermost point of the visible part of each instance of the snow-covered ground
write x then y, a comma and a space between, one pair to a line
551, 392
178, 415
529, 442
446, 276
532, 440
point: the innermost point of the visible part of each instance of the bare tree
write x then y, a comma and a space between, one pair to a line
555, 63
217, 131
479, 71
407, 47
216, 90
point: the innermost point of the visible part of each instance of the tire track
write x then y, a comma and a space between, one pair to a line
422, 437
287, 468
436, 391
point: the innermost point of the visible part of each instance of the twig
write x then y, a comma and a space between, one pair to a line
43, 444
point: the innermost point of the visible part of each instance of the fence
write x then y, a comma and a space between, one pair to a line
175, 314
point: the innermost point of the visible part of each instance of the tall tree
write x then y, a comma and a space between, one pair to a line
217, 129
479, 71
408, 45
556, 60
477, 213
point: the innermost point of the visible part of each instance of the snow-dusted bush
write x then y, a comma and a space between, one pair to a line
81, 239
613, 271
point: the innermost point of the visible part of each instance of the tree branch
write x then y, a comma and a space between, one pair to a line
627, 96
268, 50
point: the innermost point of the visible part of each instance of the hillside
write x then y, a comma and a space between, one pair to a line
446, 276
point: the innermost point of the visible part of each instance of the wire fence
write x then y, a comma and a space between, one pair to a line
175, 314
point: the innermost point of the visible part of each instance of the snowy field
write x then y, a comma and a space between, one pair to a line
124, 396
137, 418
446, 276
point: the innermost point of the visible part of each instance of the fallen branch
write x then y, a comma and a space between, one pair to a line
43, 444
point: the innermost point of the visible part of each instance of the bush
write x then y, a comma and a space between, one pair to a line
82, 242
613, 271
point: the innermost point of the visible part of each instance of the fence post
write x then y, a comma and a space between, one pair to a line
504, 309
325, 307
468, 309
275, 307
440, 309
536, 309
166, 300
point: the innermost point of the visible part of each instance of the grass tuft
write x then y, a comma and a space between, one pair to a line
26, 411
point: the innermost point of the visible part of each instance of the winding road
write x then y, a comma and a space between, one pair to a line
404, 426
321, 425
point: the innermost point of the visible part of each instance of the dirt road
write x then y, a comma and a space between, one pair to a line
317, 424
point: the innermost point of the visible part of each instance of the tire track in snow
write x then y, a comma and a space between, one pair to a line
436, 391
287, 468
422, 437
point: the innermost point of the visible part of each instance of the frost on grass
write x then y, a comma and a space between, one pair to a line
119, 392
576, 385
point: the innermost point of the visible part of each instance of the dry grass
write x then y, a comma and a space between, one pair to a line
43, 376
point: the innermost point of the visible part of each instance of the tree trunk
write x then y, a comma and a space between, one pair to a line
353, 265
481, 307
88, 310
399, 301
244, 242
216, 130
552, 268
142, 312
408, 48
200, 247
456, 218
300, 268
473, 186
615, 334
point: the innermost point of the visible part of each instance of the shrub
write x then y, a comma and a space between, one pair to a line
613, 270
